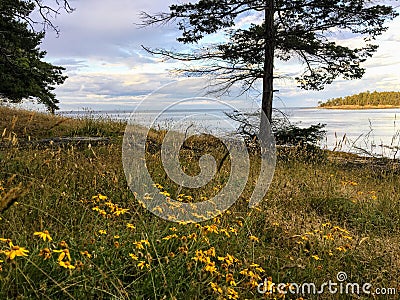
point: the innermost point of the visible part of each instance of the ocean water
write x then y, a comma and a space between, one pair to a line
365, 132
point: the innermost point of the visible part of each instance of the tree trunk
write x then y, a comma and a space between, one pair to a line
268, 89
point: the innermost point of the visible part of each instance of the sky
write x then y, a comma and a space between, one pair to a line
100, 46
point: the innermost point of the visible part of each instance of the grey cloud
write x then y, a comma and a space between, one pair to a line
102, 28
103, 33
90, 90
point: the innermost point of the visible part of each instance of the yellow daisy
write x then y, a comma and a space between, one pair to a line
44, 235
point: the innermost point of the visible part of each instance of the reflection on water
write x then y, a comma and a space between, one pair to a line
375, 131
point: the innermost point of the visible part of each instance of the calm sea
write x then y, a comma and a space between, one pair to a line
370, 131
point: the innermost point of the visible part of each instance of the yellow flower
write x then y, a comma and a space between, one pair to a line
100, 211
15, 251
157, 185
131, 226
121, 211
229, 259
233, 230
146, 242
46, 253
259, 269
133, 256
8, 241
244, 271
171, 236
101, 231
225, 231
210, 267
337, 228
192, 236
86, 254
102, 197
66, 264
316, 257
44, 235
341, 248
211, 229
216, 288
329, 236
165, 193
158, 208
63, 244
210, 252
64, 253
229, 279
254, 238
116, 236
199, 255
232, 294
251, 274
138, 245
99, 197
142, 264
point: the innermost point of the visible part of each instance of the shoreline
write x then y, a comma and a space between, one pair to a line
359, 107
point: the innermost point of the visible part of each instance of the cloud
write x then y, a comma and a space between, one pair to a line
100, 46
118, 90
106, 30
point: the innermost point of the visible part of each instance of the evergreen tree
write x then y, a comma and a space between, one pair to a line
23, 73
295, 28
365, 98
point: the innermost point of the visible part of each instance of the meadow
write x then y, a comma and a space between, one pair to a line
70, 227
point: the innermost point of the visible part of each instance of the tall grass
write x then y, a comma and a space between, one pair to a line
324, 213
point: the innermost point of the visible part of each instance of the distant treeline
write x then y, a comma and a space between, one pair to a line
366, 98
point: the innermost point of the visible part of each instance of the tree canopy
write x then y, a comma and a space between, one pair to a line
365, 99
282, 29
23, 72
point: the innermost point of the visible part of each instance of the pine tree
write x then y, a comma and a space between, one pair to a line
295, 28
23, 72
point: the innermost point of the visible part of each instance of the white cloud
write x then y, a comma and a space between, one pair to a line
100, 45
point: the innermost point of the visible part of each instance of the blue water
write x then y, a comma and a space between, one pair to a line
370, 131
374, 131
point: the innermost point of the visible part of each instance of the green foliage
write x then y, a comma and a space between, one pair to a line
285, 133
365, 98
23, 73
295, 135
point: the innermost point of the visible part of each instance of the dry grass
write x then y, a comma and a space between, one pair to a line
321, 215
